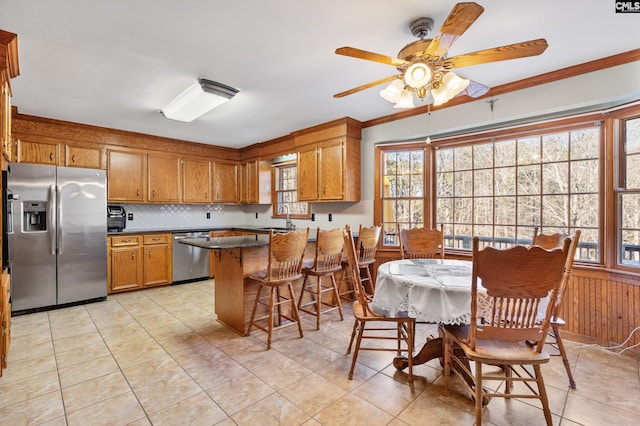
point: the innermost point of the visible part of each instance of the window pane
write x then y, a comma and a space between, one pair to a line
483, 210
529, 150
505, 153
482, 182
444, 186
555, 177
505, 181
555, 147
505, 209
554, 211
585, 143
529, 180
529, 211
483, 156
584, 176
417, 185
633, 172
463, 181
444, 160
585, 210
462, 158
463, 208
444, 210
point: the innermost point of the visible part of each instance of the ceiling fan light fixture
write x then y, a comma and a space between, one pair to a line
405, 101
418, 75
198, 99
451, 85
393, 91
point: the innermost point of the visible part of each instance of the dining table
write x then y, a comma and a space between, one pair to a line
434, 291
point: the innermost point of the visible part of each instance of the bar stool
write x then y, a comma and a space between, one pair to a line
367, 247
327, 261
286, 251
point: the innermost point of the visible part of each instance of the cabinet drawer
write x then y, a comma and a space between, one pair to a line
157, 239
130, 240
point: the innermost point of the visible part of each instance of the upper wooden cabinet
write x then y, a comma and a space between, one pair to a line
224, 183
328, 162
126, 176
254, 182
196, 181
9, 69
164, 176
37, 152
87, 157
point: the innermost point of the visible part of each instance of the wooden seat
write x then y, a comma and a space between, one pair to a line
549, 241
370, 325
286, 251
516, 280
421, 243
366, 247
327, 261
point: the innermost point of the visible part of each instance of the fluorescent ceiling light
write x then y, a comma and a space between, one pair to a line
198, 99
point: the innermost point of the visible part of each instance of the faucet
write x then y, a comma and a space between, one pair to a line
288, 223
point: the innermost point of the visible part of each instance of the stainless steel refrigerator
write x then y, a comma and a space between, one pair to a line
57, 235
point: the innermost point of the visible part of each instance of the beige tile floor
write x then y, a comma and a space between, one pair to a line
159, 357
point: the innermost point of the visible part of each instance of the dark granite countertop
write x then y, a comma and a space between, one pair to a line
227, 242
245, 228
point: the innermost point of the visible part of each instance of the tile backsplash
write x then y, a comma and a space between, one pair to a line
177, 216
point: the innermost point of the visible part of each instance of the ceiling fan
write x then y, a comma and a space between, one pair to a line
425, 69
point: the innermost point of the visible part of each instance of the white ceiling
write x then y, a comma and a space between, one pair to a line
117, 63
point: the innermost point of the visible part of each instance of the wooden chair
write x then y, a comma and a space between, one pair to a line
366, 247
421, 243
551, 241
516, 280
368, 324
286, 251
327, 261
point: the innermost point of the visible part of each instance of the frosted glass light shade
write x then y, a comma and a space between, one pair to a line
393, 91
450, 87
198, 99
418, 75
405, 101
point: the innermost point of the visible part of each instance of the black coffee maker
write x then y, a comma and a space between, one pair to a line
116, 218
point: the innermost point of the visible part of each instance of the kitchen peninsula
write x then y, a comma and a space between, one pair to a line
234, 259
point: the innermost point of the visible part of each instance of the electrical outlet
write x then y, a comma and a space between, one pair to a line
256, 215
129, 216
330, 217
208, 215
313, 217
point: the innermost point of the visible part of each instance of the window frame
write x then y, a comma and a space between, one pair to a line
275, 178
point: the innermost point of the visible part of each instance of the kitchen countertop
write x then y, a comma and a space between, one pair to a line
227, 242
245, 228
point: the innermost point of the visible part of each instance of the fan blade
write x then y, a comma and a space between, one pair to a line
475, 89
370, 56
459, 20
366, 86
512, 51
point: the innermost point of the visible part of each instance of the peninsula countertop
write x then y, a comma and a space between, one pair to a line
227, 242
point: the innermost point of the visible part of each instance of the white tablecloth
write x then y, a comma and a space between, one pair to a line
430, 290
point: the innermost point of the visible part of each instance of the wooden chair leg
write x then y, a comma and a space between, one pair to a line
294, 309
478, 393
336, 296
353, 335
272, 307
355, 353
253, 311
543, 394
563, 353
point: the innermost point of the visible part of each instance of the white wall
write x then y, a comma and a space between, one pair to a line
605, 87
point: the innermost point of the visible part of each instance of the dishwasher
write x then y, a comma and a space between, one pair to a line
189, 263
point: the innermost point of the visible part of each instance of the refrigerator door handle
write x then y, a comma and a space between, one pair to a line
59, 221
51, 220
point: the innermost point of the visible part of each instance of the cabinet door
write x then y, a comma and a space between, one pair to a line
331, 172
89, 158
157, 265
5, 321
164, 178
126, 176
125, 268
307, 169
197, 181
5, 116
37, 152
225, 188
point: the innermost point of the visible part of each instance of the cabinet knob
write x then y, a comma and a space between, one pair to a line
51, 156
73, 158
133, 256
137, 192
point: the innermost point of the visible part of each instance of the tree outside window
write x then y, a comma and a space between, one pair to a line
286, 193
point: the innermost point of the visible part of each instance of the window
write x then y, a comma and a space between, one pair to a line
286, 194
500, 190
629, 193
403, 192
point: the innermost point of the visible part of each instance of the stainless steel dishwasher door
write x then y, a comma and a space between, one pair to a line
189, 263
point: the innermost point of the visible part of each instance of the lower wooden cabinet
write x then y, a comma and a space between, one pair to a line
137, 261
